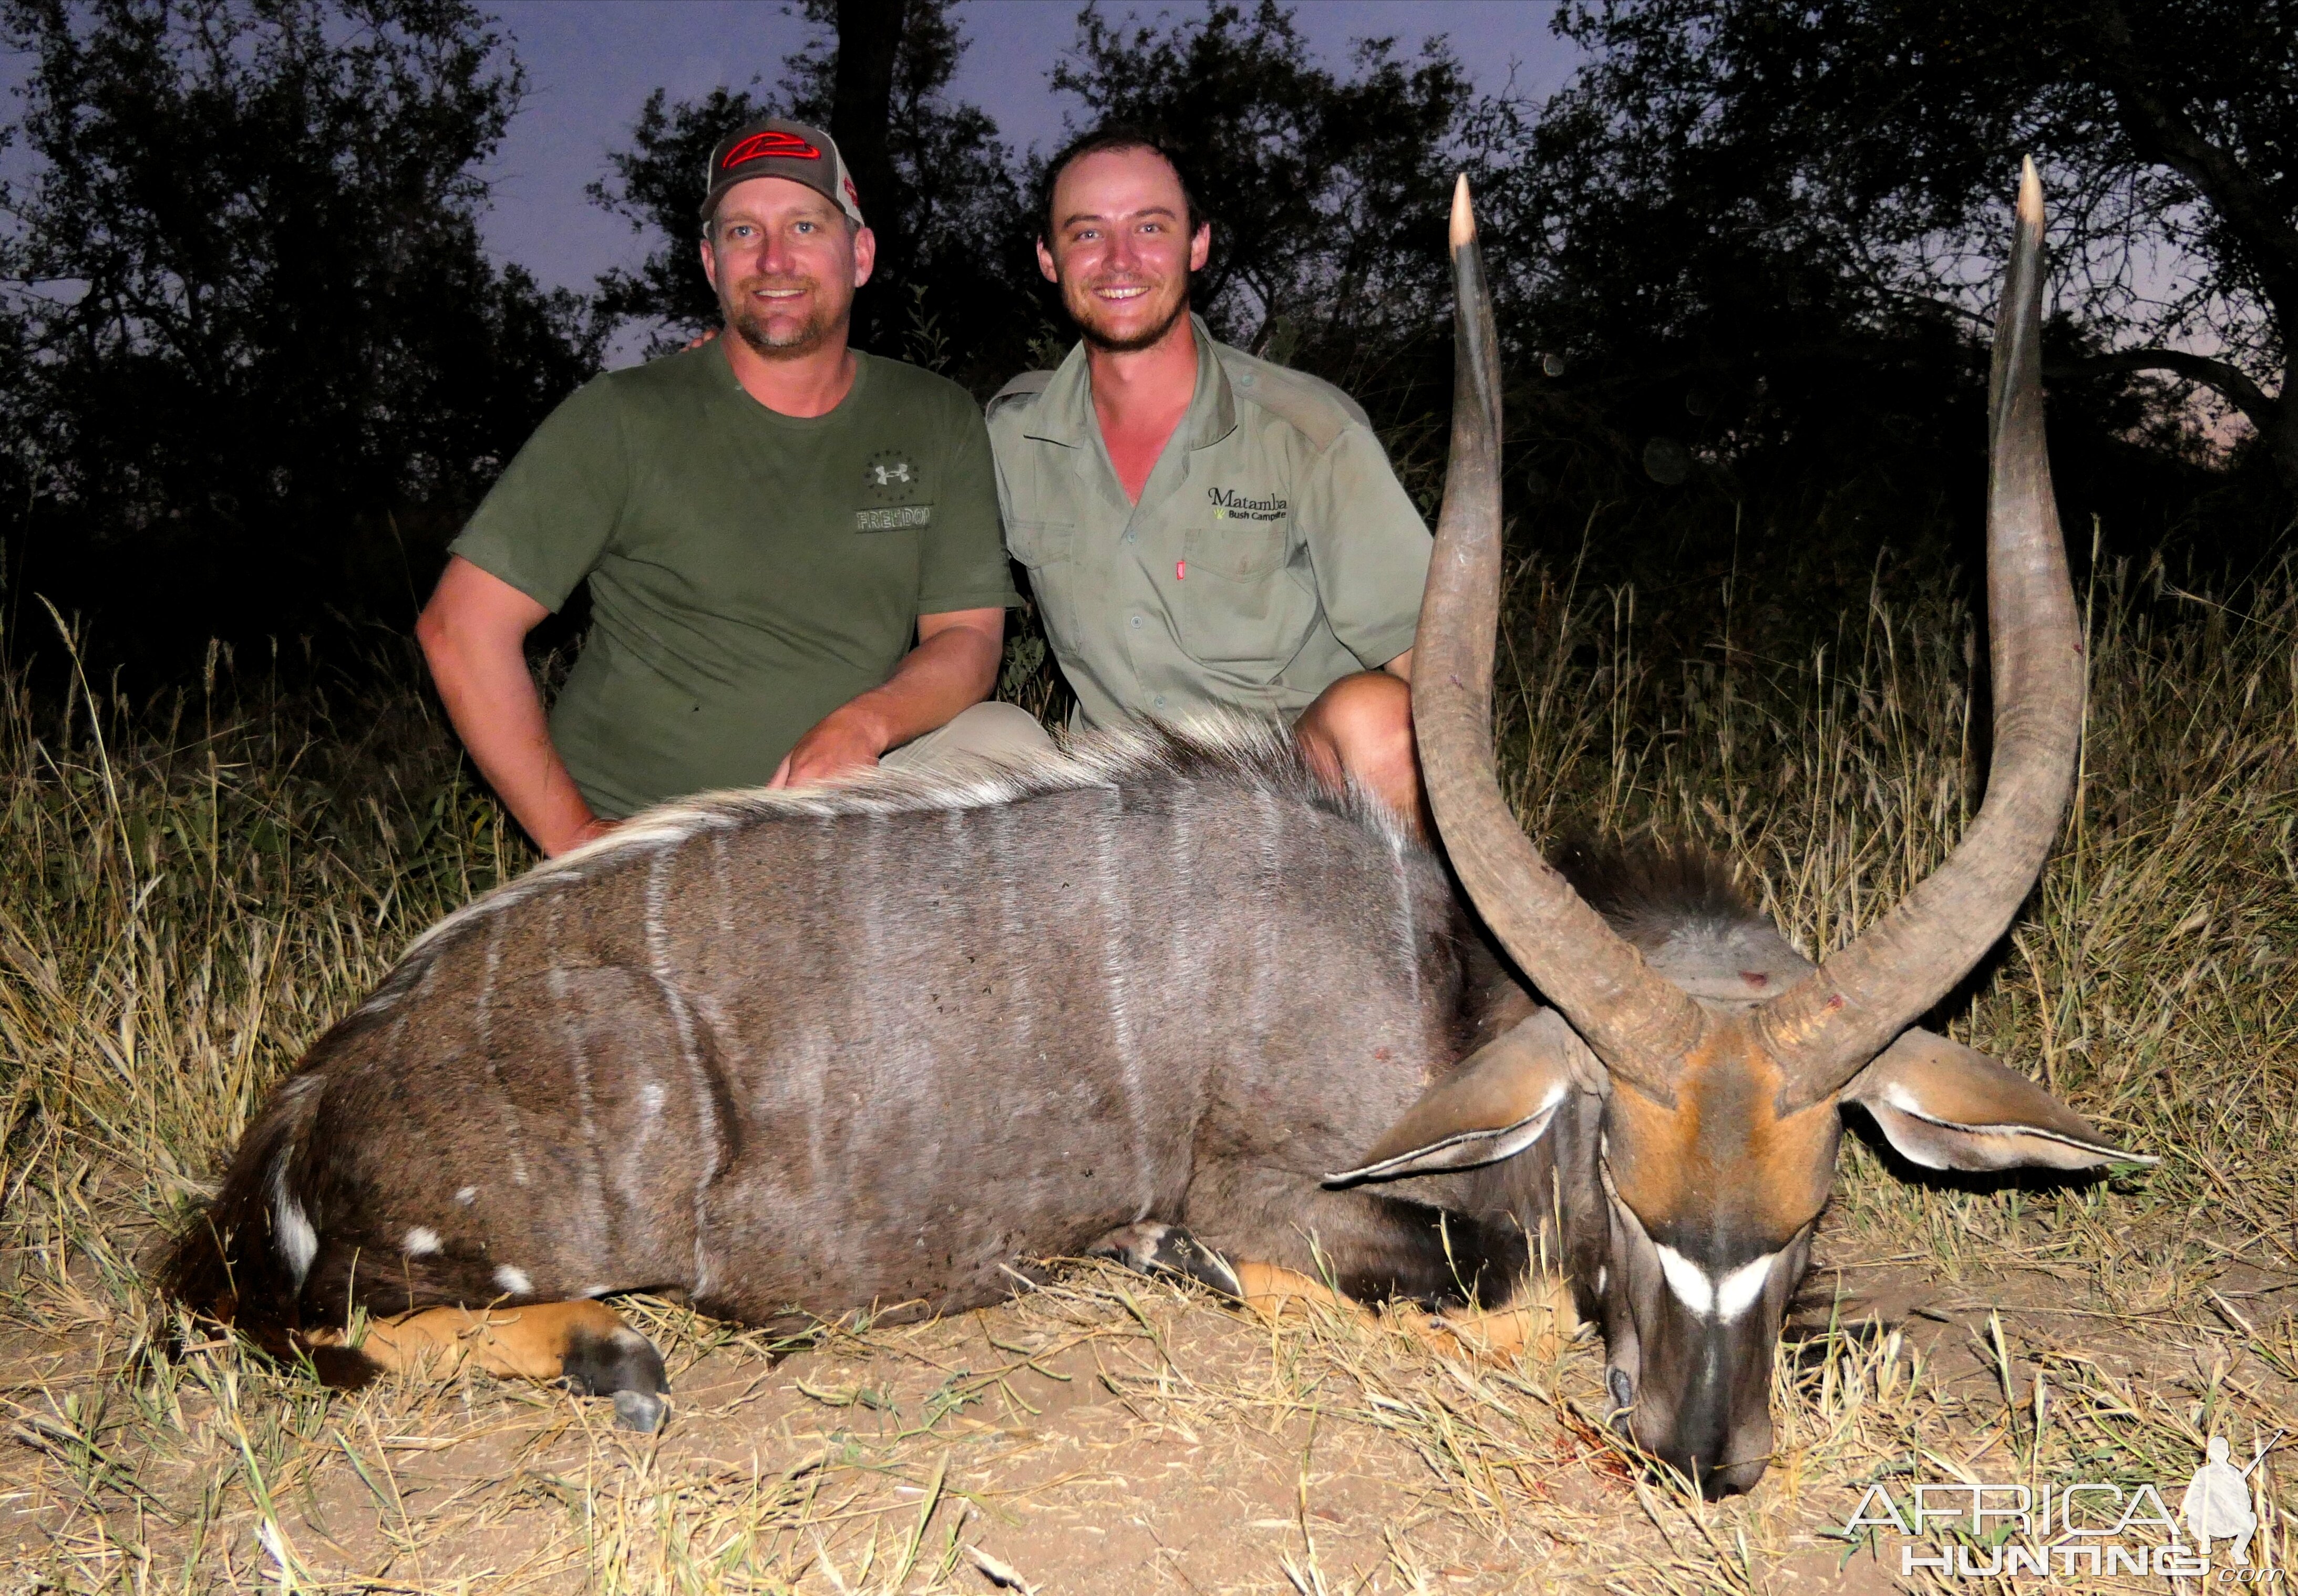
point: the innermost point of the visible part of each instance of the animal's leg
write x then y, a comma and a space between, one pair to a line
1268, 1289
1538, 1321
1367, 1246
582, 1342
1151, 1248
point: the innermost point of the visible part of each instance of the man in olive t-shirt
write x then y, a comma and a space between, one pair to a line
764, 523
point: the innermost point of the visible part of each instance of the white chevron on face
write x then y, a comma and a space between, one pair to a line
1737, 1292
1724, 1300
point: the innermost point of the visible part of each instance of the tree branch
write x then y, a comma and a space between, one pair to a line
2160, 132
2231, 382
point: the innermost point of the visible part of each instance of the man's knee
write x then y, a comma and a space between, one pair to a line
1368, 718
1004, 732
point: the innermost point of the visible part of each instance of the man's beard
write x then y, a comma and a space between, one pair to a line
788, 342
1103, 340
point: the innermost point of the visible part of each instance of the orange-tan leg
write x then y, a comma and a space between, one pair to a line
583, 1343
1539, 1320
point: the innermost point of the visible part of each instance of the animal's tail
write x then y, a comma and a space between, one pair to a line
243, 1258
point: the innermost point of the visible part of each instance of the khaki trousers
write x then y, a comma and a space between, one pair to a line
1004, 732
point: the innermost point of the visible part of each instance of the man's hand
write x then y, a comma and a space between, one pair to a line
589, 830
953, 666
841, 743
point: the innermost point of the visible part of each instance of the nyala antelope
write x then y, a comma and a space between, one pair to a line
1169, 998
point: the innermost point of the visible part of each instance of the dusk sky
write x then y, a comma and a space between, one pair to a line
591, 62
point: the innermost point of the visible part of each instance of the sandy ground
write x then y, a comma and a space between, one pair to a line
1108, 1434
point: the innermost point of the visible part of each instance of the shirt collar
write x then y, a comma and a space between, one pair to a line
1064, 415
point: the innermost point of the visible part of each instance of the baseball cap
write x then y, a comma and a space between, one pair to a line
775, 147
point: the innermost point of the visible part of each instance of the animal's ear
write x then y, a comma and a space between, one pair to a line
1496, 1103
1946, 1107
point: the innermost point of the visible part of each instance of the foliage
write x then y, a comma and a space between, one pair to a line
256, 323
1862, 151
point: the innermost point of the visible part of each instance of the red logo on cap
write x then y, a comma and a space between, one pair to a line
759, 147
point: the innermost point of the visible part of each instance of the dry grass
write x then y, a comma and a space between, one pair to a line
193, 895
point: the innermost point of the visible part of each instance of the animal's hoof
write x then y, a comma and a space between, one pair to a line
1158, 1249
608, 1365
641, 1411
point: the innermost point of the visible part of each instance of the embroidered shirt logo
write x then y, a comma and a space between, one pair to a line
892, 484
890, 477
1229, 505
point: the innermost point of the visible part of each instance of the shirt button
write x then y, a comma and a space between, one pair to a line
1131, 538
1161, 700
1137, 620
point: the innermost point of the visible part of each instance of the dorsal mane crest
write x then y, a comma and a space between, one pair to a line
1241, 752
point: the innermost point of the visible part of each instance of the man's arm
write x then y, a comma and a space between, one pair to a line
474, 632
1401, 667
952, 668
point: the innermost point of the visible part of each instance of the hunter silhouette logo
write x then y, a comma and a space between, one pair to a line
772, 143
2217, 1504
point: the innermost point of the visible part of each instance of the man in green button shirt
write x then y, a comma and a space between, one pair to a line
765, 523
1202, 529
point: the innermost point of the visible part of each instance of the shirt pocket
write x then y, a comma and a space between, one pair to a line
1236, 604
1037, 544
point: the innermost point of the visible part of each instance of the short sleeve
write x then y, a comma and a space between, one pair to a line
1367, 545
964, 564
550, 516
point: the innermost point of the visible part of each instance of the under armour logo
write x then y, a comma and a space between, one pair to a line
887, 475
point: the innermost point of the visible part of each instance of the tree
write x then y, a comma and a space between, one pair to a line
262, 343
1887, 131
935, 185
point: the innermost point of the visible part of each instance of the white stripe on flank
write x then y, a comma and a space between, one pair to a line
1115, 924
597, 1222
482, 1021
1268, 878
682, 1013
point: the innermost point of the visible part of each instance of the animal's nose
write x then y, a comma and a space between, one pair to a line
1730, 1481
